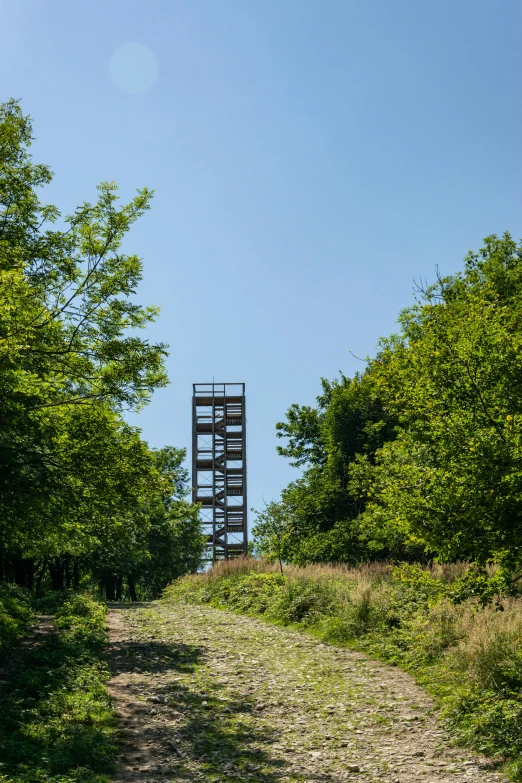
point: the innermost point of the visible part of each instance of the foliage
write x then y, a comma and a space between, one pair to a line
174, 543
56, 723
273, 533
453, 476
159, 540
67, 315
467, 654
79, 488
321, 508
15, 615
420, 456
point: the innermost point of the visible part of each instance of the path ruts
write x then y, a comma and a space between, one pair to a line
210, 696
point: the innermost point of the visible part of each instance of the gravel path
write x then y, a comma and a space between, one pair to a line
211, 696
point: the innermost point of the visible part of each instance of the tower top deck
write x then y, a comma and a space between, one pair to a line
209, 393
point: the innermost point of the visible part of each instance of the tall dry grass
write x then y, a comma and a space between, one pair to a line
378, 571
490, 645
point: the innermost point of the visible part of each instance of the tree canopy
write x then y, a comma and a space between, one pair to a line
419, 456
75, 478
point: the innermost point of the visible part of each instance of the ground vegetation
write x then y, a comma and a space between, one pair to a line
57, 723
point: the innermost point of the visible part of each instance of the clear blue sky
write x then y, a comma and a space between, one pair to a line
309, 157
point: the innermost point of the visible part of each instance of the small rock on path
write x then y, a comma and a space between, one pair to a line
206, 695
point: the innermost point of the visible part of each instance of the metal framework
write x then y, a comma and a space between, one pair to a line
219, 474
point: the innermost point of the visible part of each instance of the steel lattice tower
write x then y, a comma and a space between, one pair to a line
219, 474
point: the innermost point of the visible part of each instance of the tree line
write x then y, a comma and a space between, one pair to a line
83, 499
419, 456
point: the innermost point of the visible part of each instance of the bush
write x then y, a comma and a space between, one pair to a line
302, 600
16, 615
81, 620
51, 602
437, 630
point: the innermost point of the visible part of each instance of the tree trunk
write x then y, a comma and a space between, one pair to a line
68, 572
40, 577
110, 585
56, 573
76, 575
31, 568
19, 572
119, 585
24, 572
132, 588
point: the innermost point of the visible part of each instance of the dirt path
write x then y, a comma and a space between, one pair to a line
205, 695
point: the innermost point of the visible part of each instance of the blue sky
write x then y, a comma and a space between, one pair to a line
310, 159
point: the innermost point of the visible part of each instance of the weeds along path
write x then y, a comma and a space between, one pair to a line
205, 695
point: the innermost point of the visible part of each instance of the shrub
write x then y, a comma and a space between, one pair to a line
303, 600
51, 602
437, 630
16, 615
81, 620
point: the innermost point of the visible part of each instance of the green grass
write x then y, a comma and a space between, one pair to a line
56, 722
467, 655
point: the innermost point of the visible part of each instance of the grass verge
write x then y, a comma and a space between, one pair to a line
56, 722
467, 655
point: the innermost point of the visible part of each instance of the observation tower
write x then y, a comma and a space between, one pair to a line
219, 474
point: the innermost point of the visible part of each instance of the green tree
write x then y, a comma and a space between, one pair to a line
157, 540
349, 420
420, 456
175, 541
273, 533
70, 357
453, 477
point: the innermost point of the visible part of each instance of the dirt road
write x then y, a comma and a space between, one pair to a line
205, 695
